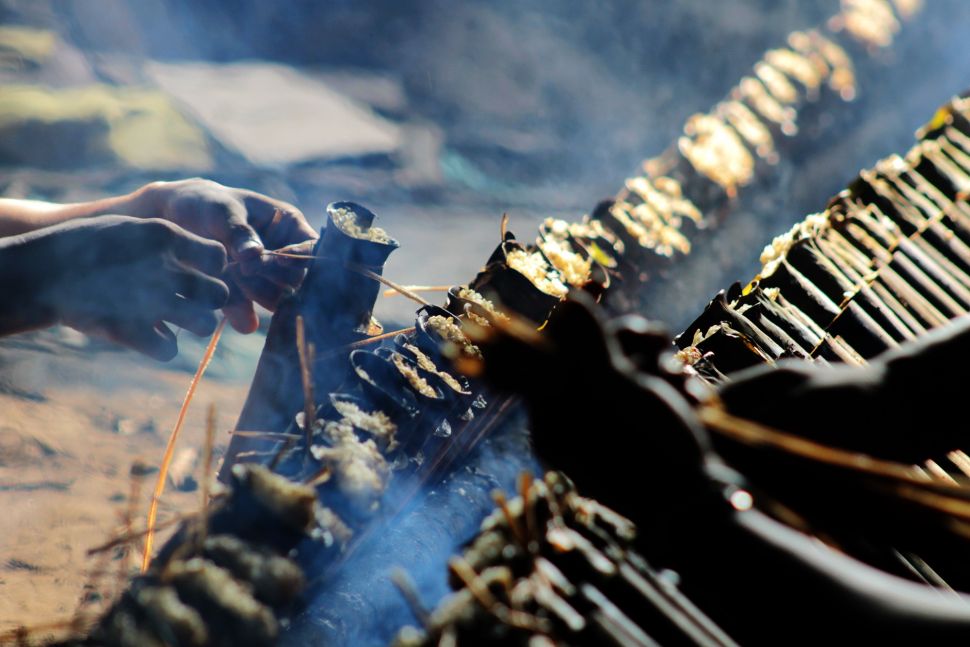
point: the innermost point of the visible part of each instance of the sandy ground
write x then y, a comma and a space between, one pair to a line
66, 452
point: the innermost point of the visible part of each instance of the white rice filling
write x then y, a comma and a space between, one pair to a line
772, 255
376, 423
573, 267
425, 363
410, 373
361, 472
347, 221
448, 330
468, 294
535, 268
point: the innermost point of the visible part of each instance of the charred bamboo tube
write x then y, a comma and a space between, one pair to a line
227, 576
336, 303
582, 583
887, 261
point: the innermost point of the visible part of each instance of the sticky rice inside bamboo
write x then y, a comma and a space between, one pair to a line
448, 331
376, 423
410, 373
425, 363
360, 470
468, 294
346, 219
535, 268
573, 267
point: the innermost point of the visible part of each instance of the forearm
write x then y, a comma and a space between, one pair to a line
23, 216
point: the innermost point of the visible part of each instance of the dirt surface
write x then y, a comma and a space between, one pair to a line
66, 453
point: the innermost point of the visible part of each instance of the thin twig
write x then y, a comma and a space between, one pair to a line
319, 477
360, 269
481, 593
499, 498
273, 252
404, 584
366, 342
210, 438
125, 539
748, 431
263, 434
470, 579
19, 635
302, 257
418, 288
134, 494
306, 361
101, 568
170, 448
381, 337
254, 453
528, 508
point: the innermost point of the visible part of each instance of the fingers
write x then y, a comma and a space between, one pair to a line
287, 272
239, 311
197, 252
288, 278
229, 224
183, 297
244, 290
304, 248
199, 288
263, 292
154, 339
241, 224
190, 300
279, 222
297, 249
189, 315
259, 289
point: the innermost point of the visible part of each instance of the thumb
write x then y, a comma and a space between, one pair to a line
230, 226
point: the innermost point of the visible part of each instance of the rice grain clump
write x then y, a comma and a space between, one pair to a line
425, 362
361, 471
774, 254
688, 356
347, 221
377, 423
417, 382
573, 267
535, 268
448, 330
590, 230
468, 294
292, 503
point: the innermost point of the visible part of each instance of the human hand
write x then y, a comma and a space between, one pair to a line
117, 277
246, 223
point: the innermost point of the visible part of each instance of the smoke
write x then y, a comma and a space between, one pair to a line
358, 604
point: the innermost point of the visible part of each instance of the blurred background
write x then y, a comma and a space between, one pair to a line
439, 116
